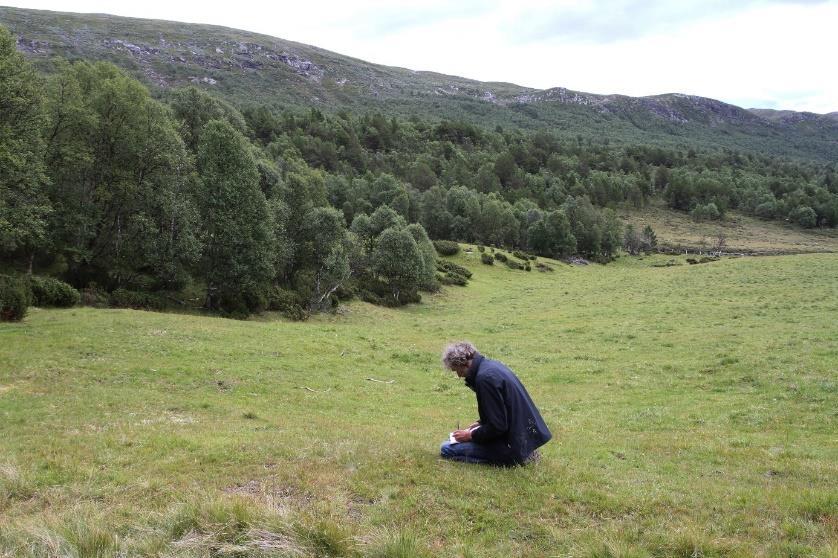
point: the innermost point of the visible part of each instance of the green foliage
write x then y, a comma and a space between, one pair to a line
398, 262
598, 234
118, 189
446, 247
450, 267
14, 298
552, 235
707, 212
48, 291
288, 302
427, 278
487, 259
804, 216
649, 239
23, 202
452, 278
323, 252
138, 300
95, 296
119, 174
501, 257
194, 109
237, 260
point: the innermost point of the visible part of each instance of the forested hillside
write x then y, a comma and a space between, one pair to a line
144, 201
248, 68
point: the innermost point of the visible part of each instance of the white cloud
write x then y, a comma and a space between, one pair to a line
769, 53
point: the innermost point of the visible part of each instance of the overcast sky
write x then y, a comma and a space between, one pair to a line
752, 53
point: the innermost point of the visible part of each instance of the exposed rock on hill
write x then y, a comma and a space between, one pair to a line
249, 68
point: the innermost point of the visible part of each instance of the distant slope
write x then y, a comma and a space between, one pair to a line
251, 68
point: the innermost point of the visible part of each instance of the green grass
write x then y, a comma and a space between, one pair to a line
693, 409
742, 233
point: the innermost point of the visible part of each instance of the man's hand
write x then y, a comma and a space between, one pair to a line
462, 435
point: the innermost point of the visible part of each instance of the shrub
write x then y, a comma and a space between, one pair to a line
707, 212
487, 259
287, 303
481, 248
95, 296
543, 267
454, 268
512, 264
446, 247
804, 216
379, 292
500, 256
47, 291
766, 210
138, 300
452, 278
673, 263
14, 298
520, 255
527, 267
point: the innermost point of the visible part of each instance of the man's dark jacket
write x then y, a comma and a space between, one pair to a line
509, 420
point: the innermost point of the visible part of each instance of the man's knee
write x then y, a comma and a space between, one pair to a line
445, 450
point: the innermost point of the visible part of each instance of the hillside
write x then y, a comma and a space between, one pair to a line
248, 68
692, 407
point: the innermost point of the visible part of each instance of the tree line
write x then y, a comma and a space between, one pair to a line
108, 188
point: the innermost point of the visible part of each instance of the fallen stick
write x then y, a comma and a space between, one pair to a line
381, 381
314, 390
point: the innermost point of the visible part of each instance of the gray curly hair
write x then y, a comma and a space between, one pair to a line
457, 354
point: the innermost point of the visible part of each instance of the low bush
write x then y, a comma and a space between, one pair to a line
500, 256
521, 255
452, 278
95, 296
14, 298
487, 259
481, 248
672, 263
378, 292
138, 300
804, 216
287, 303
543, 267
446, 247
47, 291
453, 268
512, 264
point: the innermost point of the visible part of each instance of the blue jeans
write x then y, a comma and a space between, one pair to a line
469, 452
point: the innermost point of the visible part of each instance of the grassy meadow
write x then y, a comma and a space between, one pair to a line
742, 233
694, 413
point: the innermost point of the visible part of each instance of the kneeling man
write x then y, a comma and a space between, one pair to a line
510, 428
